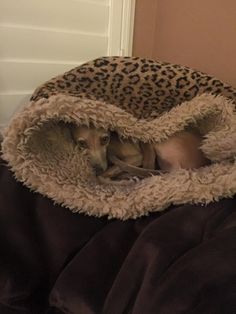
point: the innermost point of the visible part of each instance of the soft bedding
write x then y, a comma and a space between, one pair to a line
53, 261
166, 245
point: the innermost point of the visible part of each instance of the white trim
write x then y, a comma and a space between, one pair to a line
127, 27
120, 28
114, 27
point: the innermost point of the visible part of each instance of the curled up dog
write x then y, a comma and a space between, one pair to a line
111, 156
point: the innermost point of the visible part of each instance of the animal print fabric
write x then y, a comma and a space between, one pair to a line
144, 88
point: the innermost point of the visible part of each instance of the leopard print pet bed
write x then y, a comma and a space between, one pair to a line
142, 100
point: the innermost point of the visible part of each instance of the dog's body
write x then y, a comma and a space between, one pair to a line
182, 150
179, 151
127, 151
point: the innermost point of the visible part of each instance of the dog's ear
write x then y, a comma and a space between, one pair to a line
149, 155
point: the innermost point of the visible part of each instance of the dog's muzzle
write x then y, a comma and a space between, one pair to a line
98, 170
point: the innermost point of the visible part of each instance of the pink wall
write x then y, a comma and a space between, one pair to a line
197, 33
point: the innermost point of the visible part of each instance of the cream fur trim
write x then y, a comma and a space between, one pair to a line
42, 156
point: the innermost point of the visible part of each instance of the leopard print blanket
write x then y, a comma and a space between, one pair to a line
142, 100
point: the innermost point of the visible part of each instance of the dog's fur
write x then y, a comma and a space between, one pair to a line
95, 142
182, 150
179, 151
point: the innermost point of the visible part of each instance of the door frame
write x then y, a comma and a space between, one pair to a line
121, 27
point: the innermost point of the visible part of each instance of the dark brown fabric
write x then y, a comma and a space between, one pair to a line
53, 261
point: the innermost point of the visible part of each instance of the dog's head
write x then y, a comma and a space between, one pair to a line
94, 142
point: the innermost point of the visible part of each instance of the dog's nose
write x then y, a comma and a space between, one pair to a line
98, 169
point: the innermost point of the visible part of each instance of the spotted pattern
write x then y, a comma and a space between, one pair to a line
145, 88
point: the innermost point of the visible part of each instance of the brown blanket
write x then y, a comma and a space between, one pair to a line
182, 261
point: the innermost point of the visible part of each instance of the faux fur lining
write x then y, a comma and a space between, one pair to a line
43, 157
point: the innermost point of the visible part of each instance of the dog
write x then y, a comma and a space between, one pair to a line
99, 144
110, 156
181, 151
95, 142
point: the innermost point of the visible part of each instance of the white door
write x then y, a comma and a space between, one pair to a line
40, 39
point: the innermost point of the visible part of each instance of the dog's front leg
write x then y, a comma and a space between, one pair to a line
116, 170
135, 160
112, 172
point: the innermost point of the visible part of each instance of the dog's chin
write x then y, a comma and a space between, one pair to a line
99, 171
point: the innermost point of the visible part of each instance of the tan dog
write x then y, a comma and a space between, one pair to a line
179, 151
94, 141
99, 144
182, 150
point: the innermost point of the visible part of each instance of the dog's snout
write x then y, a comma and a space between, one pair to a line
98, 169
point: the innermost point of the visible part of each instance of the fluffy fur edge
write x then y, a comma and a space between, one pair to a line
57, 170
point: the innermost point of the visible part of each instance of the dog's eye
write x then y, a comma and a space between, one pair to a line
105, 139
82, 144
